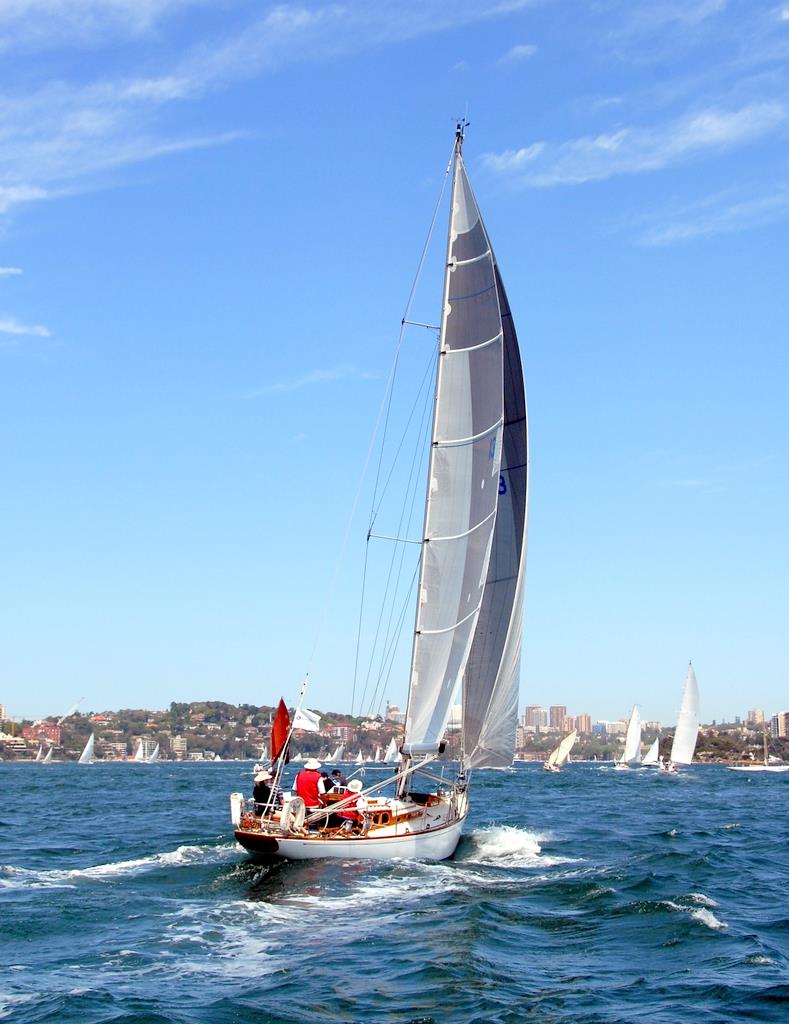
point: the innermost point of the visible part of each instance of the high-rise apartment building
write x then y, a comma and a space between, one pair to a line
755, 717
2, 713
533, 716
583, 723
779, 724
556, 715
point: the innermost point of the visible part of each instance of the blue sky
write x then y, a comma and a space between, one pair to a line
210, 217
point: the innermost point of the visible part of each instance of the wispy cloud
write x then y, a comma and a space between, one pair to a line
719, 214
43, 24
10, 326
631, 150
60, 134
518, 53
10, 271
312, 379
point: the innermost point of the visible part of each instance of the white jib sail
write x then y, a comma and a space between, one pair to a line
48, 756
40, 753
87, 754
138, 753
632, 752
651, 756
463, 474
391, 751
687, 731
155, 755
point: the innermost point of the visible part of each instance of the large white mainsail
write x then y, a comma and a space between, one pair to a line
138, 753
86, 757
463, 474
391, 751
154, 755
687, 731
632, 751
491, 680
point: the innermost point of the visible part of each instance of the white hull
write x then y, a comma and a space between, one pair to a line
758, 767
438, 844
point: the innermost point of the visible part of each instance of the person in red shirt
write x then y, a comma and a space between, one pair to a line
309, 785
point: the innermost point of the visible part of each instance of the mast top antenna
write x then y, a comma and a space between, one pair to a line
460, 132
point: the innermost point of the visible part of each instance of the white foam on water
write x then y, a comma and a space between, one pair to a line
700, 914
508, 846
709, 919
65, 877
758, 960
731, 825
702, 900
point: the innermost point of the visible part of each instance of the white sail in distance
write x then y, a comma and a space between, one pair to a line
562, 752
154, 755
651, 756
138, 753
48, 756
632, 751
463, 473
87, 754
391, 751
687, 731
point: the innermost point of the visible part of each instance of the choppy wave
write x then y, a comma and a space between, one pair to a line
17, 877
583, 902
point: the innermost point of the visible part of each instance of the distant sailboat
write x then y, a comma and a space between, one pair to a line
631, 756
687, 730
763, 765
40, 754
359, 758
154, 755
650, 759
391, 754
86, 757
139, 756
47, 759
561, 754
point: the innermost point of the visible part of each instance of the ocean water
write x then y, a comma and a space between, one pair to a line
588, 896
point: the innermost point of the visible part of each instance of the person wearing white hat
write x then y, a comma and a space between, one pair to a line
265, 794
353, 813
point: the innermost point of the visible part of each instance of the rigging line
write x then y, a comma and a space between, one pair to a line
373, 515
407, 311
393, 635
393, 640
393, 627
417, 461
426, 378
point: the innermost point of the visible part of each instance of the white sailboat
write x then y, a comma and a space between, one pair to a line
631, 755
86, 757
469, 595
561, 754
391, 755
139, 756
47, 758
154, 755
765, 764
40, 754
650, 759
687, 730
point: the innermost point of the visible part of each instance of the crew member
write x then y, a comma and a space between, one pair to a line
353, 813
309, 784
263, 793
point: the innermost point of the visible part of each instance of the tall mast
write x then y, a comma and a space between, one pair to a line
459, 130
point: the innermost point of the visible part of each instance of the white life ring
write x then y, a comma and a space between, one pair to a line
293, 814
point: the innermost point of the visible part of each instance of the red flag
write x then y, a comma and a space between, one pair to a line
280, 728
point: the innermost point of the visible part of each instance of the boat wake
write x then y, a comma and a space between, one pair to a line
29, 878
508, 846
